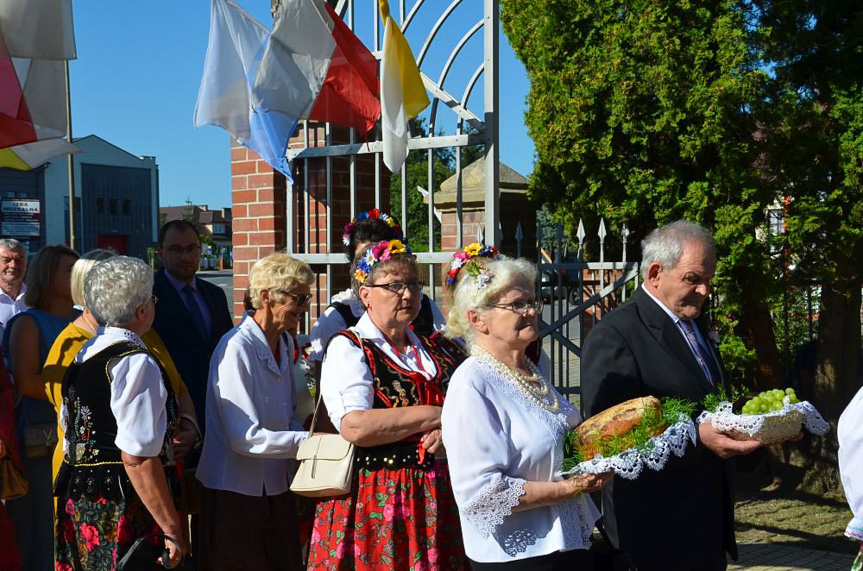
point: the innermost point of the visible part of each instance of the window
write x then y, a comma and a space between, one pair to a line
113, 206
127, 207
100, 206
218, 228
776, 221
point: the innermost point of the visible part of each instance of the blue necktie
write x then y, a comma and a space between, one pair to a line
704, 359
195, 310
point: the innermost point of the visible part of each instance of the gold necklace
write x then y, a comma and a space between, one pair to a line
534, 387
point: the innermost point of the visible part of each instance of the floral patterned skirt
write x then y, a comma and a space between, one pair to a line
394, 519
94, 534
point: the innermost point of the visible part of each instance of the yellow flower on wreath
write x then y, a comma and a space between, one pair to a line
472, 250
397, 247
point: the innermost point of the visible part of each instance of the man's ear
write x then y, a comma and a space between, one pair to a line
653, 271
477, 321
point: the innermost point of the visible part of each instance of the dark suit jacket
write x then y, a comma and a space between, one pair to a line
174, 325
682, 516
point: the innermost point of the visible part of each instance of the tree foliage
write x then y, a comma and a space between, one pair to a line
716, 111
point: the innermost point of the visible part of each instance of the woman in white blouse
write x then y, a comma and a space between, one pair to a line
504, 427
850, 432
248, 518
121, 415
383, 385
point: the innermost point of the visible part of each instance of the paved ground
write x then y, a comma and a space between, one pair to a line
777, 557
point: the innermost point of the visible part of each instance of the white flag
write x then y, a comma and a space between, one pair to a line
38, 29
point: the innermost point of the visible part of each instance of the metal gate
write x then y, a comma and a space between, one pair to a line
452, 40
577, 293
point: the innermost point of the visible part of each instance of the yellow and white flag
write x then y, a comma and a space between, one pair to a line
403, 95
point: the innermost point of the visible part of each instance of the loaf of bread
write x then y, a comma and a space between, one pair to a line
617, 421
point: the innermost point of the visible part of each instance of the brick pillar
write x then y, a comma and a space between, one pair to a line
259, 205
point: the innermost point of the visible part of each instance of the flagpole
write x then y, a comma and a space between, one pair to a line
70, 158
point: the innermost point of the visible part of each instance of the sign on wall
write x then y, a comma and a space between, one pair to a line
20, 217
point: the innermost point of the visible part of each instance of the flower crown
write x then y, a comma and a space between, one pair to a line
373, 214
380, 252
463, 257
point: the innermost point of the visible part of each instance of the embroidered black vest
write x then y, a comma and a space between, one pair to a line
396, 386
92, 465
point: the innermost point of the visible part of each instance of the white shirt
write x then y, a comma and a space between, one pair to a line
497, 439
10, 307
346, 380
252, 430
331, 322
138, 394
850, 431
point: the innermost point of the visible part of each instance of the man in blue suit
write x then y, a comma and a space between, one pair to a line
192, 315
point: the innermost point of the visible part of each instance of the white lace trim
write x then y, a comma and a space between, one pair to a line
494, 503
576, 514
630, 463
771, 427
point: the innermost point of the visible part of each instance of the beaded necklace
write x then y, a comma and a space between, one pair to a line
534, 387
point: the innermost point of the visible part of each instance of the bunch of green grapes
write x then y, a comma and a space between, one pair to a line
769, 401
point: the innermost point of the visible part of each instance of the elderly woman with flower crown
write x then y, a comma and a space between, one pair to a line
504, 427
384, 386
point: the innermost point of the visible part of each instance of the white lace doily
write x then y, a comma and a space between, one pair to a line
630, 463
770, 427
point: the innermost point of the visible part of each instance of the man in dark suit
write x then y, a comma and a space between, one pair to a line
682, 517
192, 315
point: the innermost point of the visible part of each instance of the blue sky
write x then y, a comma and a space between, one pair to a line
139, 65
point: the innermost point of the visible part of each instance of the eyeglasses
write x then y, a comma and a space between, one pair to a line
179, 250
154, 299
300, 299
399, 288
520, 307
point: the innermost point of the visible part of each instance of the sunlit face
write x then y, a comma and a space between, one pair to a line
685, 288
181, 253
63, 277
287, 312
515, 329
13, 267
388, 308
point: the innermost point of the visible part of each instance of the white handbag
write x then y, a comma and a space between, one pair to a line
326, 464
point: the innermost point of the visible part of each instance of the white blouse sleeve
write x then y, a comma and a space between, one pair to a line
232, 382
346, 380
479, 453
138, 398
327, 325
850, 432
437, 315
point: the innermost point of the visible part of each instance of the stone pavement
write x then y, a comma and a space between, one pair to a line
776, 557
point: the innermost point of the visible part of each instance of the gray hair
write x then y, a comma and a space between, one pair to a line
115, 288
82, 267
12, 244
277, 273
505, 272
665, 244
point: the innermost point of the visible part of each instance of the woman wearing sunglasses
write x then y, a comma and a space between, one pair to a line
504, 427
383, 386
248, 517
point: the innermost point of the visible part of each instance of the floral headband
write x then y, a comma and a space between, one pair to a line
463, 257
373, 214
380, 252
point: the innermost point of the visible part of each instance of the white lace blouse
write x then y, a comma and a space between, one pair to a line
851, 462
497, 439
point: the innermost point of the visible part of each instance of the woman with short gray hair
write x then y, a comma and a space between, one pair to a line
504, 427
121, 416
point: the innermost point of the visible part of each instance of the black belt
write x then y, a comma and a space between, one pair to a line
393, 456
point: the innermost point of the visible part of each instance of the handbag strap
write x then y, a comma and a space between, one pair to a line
356, 332
165, 553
